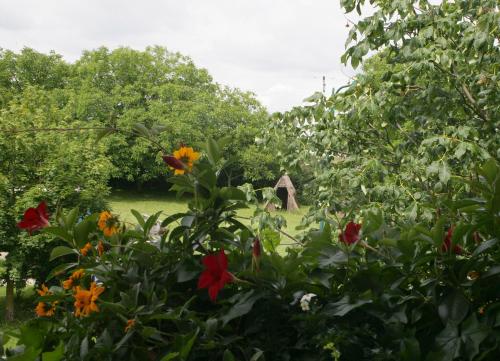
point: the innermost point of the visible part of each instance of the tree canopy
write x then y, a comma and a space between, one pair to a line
426, 105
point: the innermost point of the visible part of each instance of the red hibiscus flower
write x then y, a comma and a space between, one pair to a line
351, 233
215, 276
447, 243
35, 218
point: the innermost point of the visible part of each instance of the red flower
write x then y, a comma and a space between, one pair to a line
173, 162
35, 218
447, 243
215, 275
350, 234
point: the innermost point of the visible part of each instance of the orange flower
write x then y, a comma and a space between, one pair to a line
78, 274
100, 248
44, 291
86, 249
42, 312
107, 223
41, 308
85, 300
130, 325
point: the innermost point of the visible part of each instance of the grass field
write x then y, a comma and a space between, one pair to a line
149, 203
25, 310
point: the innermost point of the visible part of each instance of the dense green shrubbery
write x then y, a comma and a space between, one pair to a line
408, 292
68, 170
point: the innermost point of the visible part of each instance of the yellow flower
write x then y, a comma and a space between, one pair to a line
107, 223
187, 156
42, 312
69, 283
130, 325
85, 300
86, 249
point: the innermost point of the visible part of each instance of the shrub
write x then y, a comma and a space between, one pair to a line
200, 287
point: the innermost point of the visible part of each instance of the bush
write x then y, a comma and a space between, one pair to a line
377, 291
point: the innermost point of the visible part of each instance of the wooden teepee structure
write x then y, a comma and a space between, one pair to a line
286, 192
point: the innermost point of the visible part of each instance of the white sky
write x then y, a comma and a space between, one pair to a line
279, 49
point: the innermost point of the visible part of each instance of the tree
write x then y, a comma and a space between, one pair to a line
65, 168
155, 87
425, 106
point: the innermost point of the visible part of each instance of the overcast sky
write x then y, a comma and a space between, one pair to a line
278, 49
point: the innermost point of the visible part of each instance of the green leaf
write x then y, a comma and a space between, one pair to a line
228, 356
59, 233
242, 307
62, 268
410, 349
142, 130
172, 218
444, 172
232, 193
186, 348
213, 151
55, 355
257, 355
84, 348
454, 308
489, 170
473, 333
447, 345
71, 217
169, 356
82, 231
484, 246
343, 306
60, 251
151, 222
480, 39
139, 217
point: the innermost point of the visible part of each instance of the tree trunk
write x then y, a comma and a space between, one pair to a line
9, 301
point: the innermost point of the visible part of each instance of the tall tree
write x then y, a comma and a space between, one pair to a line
425, 106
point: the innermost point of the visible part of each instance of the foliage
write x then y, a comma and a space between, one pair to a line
394, 294
68, 169
425, 106
165, 91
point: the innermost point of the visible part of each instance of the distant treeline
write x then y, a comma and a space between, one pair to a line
122, 87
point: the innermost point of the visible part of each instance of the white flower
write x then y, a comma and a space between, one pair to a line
305, 300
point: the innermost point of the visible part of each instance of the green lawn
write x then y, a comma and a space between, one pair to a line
24, 310
150, 202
